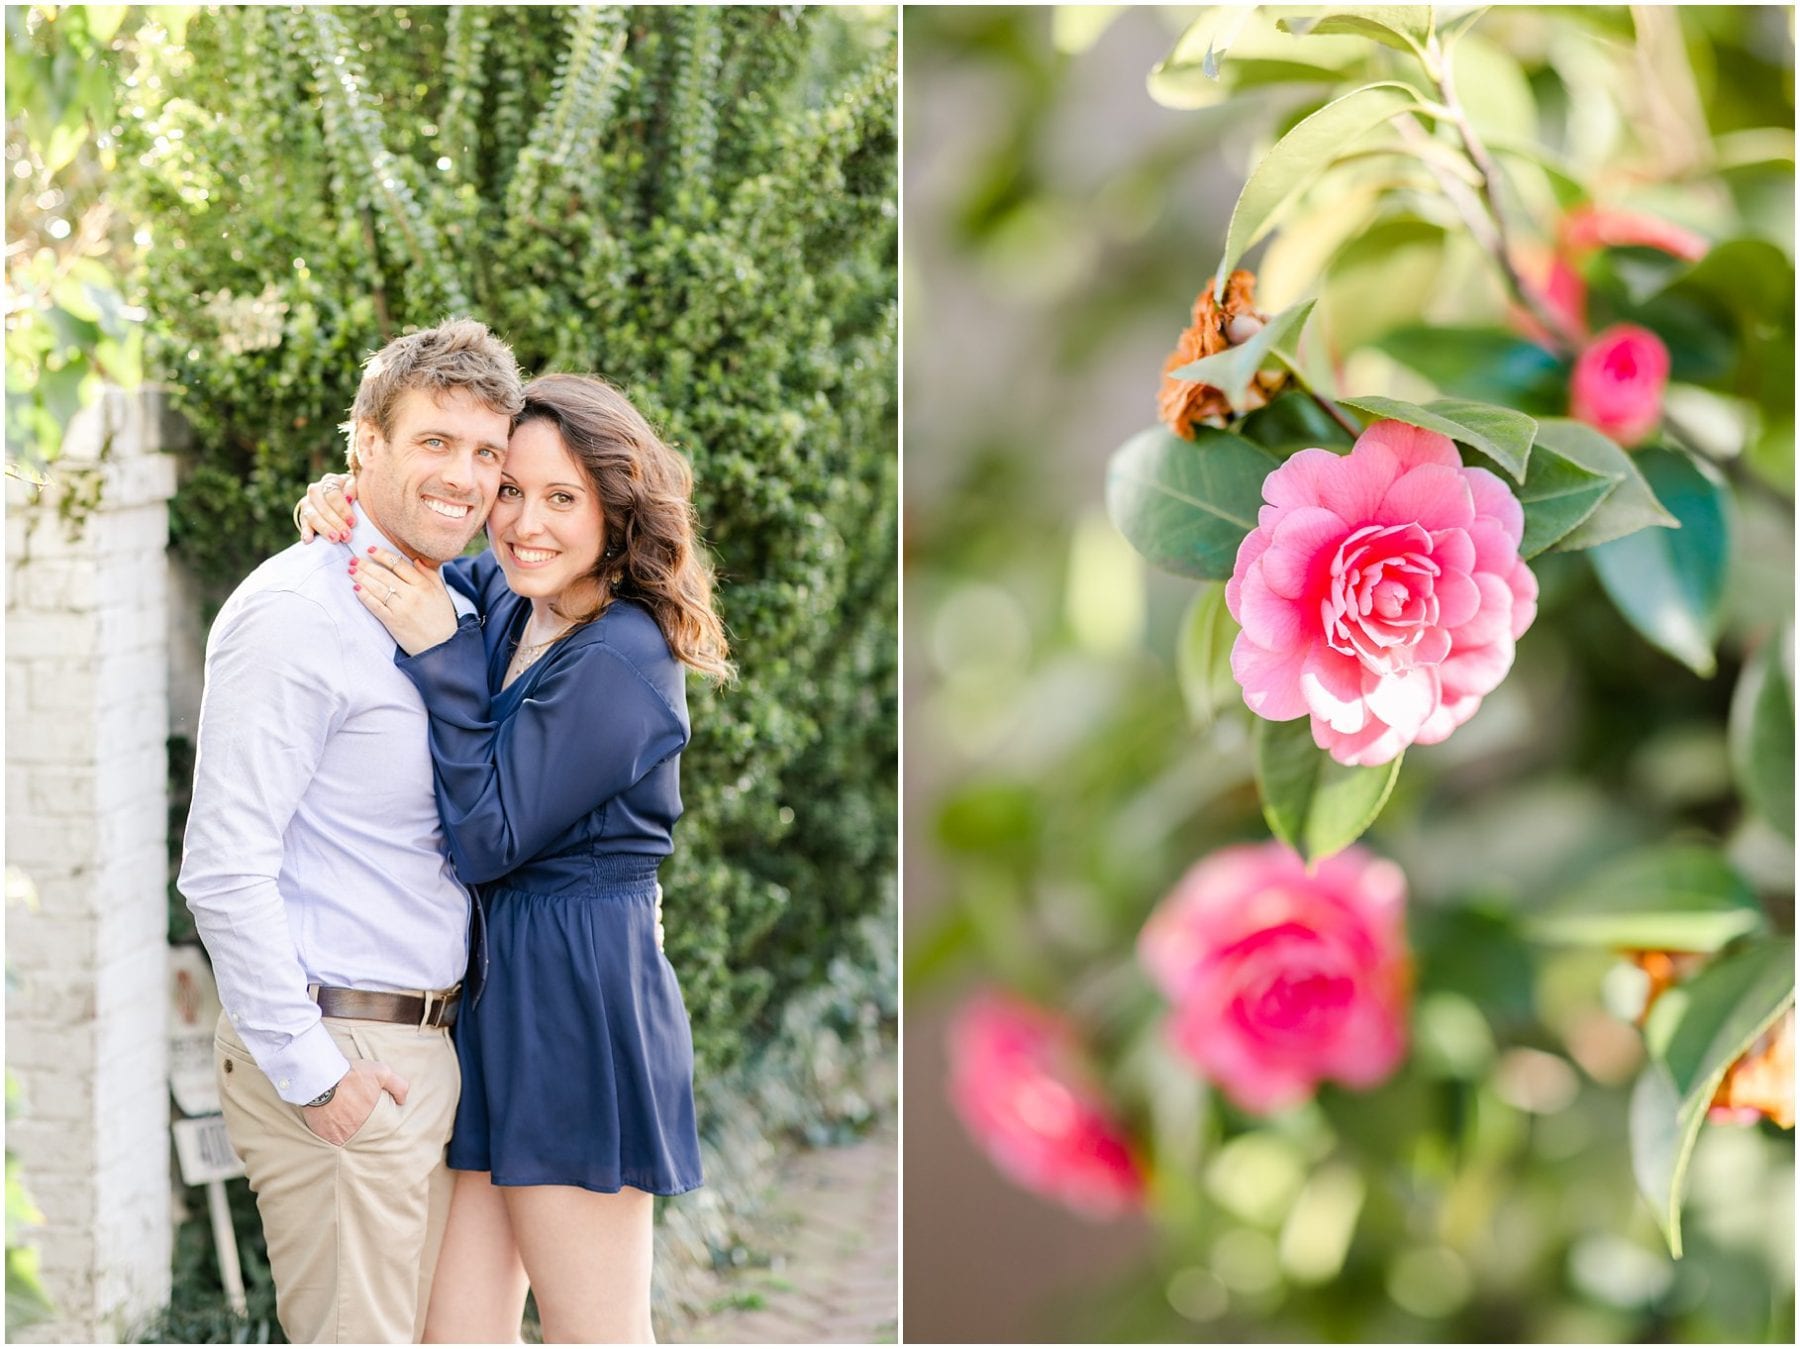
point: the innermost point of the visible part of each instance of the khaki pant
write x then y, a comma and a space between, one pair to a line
353, 1231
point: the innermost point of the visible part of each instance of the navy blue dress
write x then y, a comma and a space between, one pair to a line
559, 795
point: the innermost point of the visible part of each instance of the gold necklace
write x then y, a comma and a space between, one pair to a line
529, 653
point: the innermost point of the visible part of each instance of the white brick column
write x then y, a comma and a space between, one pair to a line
87, 713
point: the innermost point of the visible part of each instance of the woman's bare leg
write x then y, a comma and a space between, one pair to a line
588, 1256
478, 1295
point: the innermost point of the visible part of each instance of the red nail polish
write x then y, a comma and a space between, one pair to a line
371, 547
356, 587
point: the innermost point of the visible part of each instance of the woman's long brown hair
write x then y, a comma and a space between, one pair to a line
646, 500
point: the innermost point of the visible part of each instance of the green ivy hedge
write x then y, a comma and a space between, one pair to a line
698, 203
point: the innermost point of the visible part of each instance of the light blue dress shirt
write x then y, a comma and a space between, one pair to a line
314, 852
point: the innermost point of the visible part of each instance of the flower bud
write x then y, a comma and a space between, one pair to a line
1617, 384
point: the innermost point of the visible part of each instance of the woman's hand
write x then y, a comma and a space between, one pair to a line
325, 509
411, 601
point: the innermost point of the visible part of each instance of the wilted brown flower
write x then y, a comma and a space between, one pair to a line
1761, 1082
1666, 969
1184, 403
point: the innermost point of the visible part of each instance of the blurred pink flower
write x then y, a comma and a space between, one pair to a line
1589, 227
1017, 1081
1381, 593
1282, 979
1760, 1084
1617, 384
1584, 230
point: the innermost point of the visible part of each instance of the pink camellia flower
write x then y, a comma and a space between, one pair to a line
1281, 979
1381, 593
1617, 384
1017, 1081
1589, 227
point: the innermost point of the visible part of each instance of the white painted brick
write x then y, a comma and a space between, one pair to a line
74, 637
62, 791
31, 1044
63, 687
66, 1096
48, 942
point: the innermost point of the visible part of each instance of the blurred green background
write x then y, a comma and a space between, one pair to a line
1059, 223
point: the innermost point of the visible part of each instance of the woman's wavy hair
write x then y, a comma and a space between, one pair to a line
652, 553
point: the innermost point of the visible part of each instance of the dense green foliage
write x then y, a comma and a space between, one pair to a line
698, 204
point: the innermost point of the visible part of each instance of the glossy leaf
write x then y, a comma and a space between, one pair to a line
1300, 156
1312, 803
1198, 74
1630, 506
1203, 654
1694, 1034
1558, 495
1231, 370
1681, 898
1404, 27
1186, 505
1762, 732
1482, 363
1670, 583
1501, 434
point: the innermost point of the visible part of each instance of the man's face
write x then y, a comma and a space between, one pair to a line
429, 484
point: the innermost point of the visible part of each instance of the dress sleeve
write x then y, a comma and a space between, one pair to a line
476, 577
592, 727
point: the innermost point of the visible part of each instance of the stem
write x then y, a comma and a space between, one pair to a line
1493, 237
1330, 408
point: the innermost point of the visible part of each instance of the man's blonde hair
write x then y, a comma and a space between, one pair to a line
457, 354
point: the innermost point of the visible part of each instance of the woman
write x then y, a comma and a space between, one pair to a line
557, 719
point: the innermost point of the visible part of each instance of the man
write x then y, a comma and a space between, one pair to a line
317, 870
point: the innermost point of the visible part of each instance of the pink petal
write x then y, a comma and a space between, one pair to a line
1458, 597
1403, 699
1492, 619
1410, 445
1375, 743
1272, 621
1477, 670
1300, 481
1255, 544
1430, 495
1524, 586
1354, 485
1451, 713
1331, 684
1270, 679
1304, 540
1493, 498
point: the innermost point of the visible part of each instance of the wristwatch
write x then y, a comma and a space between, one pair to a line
324, 1097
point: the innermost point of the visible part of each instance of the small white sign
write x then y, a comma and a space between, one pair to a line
193, 1019
204, 1150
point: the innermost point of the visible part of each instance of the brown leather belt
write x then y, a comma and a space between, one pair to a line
430, 1009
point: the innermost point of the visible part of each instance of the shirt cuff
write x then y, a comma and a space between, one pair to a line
309, 1065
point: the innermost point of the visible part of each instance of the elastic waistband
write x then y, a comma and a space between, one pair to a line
625, 868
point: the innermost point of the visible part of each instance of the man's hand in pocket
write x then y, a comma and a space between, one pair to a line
349, 1109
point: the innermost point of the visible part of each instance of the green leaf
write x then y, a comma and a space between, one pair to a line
1630, 507
1203, 654
1670, 584
1186, 506
1294, 422
1230, 371
1404, 27
1683, 897
1762, 732
1312, 803
1299, 157
104, 20
1694, 1034
1196, 74
1500, 433
1455, 26
1558, 495
1483, 363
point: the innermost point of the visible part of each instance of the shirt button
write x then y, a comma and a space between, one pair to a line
284, 1082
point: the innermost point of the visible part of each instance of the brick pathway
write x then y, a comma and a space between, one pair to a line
832, 1243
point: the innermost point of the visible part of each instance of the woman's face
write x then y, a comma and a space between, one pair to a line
546, 526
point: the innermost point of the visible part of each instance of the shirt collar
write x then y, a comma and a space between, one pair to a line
363, 534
